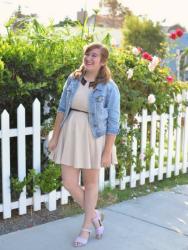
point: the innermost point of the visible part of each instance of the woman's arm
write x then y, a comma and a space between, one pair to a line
113, 120
110, 139
113, 107
57, 125
107, 152
56, 130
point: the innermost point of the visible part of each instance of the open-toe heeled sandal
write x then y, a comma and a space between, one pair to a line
99, 230
81, 241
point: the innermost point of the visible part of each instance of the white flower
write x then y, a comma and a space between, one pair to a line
153, 64
155, 60
135, 51
142, 156
130, 73
151, 99
178, 98
151, 67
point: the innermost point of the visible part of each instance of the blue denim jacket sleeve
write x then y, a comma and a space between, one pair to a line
113, 106
62, 101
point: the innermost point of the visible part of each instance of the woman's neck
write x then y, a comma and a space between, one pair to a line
90, 76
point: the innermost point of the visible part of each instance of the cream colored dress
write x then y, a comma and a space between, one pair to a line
77, 146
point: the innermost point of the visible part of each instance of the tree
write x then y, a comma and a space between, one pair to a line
142, 32
116, 8
66, 22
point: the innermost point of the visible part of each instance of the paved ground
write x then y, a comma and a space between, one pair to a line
158, 221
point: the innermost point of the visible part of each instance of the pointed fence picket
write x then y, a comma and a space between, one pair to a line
152, 144
21, 156
178, 143
169, 145
5, 145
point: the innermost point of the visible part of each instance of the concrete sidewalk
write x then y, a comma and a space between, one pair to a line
158, 221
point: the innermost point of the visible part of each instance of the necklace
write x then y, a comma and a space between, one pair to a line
83, 81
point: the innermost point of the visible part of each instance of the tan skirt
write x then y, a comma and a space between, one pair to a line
77, 147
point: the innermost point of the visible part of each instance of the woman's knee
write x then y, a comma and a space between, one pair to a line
91, 185
69, 184
70, 177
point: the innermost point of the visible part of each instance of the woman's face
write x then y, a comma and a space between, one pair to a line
92, 60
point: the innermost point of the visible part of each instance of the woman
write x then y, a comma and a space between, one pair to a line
84, 133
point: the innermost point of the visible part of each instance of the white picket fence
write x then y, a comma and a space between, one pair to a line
176, 148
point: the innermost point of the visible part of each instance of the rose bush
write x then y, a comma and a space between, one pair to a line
144, 82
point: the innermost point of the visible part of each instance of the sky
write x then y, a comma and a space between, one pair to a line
158, 10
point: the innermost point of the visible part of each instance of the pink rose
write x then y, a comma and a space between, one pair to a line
173, 35
170, 79
147, 56
150, 58
179, 32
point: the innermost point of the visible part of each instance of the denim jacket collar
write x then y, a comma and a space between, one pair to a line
99, 86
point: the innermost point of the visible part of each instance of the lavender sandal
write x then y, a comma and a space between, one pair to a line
98, 219
81, 241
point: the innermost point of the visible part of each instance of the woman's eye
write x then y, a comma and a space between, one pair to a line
92, 55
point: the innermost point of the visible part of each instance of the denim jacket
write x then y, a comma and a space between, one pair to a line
104, 106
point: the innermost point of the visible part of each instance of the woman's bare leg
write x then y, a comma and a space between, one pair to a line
70, 178
87, 199
90, 180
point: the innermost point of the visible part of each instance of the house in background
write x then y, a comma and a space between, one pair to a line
101, 20
106, 21
104, 24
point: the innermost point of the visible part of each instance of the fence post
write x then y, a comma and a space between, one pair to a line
178, 141
185, 141
112, 176
143, 146
133, 177
5, 147
161, 146
122, 181
152, 143
21, 156
170, 141
36, 150
101, 179
64, 195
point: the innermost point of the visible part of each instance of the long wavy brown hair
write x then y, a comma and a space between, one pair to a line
104, 73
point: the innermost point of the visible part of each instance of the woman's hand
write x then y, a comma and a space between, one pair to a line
52, 144
106, 159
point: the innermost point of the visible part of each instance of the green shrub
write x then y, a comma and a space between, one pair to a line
48, 180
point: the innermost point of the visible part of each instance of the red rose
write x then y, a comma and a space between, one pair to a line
173, 35
179, 32
147, 56
150, 58
169, 79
